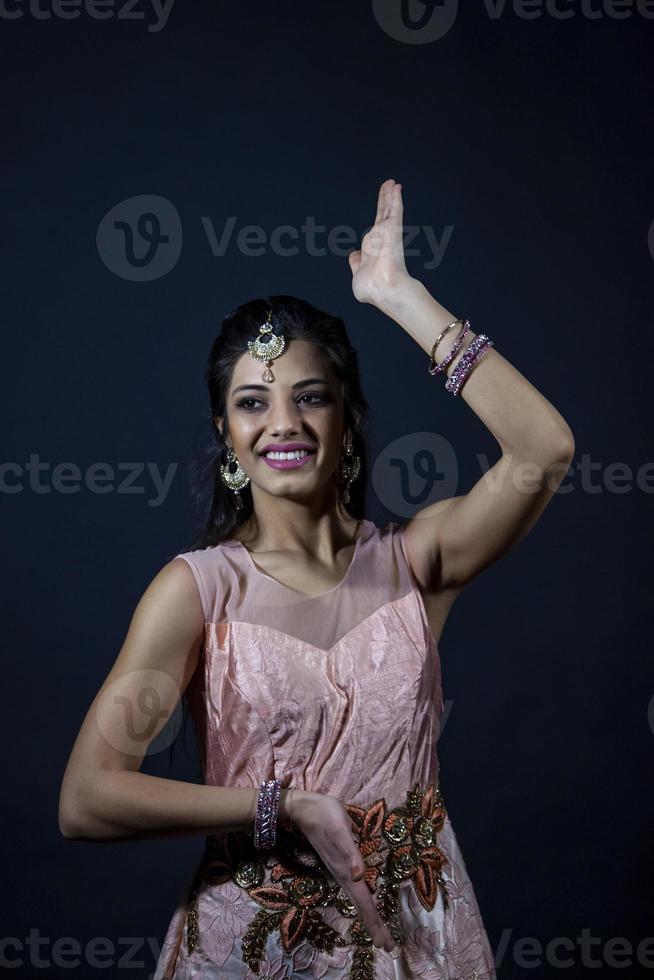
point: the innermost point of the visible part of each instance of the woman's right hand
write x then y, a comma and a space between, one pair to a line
326, 824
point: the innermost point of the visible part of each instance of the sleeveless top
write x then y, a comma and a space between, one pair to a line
337, 693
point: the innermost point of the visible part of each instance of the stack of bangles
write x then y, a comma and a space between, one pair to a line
265, 819
471, 356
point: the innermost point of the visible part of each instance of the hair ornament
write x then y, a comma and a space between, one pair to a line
266, 346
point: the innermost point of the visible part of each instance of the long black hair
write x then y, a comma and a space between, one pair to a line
296, 319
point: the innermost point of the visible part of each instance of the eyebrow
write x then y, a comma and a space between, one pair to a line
298, 384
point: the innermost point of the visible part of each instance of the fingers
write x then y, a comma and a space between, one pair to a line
380, 202
360, 895
332, 837
364, 900
386, 198
386, 191
396, 206
357, 890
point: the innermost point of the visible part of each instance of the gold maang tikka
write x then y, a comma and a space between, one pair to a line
267, 346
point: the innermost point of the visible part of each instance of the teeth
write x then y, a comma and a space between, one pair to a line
296, 454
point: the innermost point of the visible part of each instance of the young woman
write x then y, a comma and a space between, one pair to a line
305, 639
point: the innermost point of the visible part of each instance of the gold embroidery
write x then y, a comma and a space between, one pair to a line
192, 932
291, 882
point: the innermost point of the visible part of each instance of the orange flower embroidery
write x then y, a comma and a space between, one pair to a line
401, 843
292, 883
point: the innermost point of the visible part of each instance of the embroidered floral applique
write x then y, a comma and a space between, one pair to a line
291, 884
411, 852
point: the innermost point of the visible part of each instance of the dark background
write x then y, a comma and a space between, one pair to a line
527, 138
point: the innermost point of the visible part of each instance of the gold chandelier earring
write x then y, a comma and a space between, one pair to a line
349, 467
234, 476
232, 473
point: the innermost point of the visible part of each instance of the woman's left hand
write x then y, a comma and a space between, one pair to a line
378, 268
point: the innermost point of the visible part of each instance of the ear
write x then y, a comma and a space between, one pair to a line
218, 422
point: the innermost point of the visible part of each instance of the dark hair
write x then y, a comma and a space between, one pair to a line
296, 320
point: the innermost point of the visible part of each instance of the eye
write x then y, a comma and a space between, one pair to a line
243, 403
312, 394
246, 403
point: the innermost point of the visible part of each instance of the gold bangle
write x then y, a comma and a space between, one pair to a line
432, 358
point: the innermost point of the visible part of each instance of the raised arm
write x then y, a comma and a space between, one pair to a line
451, 541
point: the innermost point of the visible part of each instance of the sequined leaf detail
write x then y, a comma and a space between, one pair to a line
274, 899
291, 884
293, 927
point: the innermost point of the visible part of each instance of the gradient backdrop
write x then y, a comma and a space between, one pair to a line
163, 165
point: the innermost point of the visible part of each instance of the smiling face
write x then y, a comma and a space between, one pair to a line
298, 418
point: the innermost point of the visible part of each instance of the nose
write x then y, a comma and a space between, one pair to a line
285, 418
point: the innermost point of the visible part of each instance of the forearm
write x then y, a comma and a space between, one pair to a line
129, 805
522, 420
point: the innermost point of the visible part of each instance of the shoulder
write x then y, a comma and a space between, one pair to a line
199, 558
211, 571
169, 607
172, 585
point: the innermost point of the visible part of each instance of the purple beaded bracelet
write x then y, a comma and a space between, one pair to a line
265, 820
471, 356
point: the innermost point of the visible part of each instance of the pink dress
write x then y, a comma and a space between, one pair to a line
338, 693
